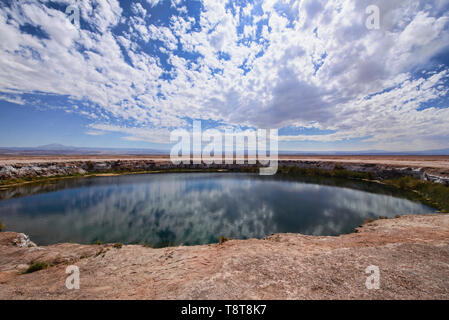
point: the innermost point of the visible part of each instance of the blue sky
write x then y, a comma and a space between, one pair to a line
135, 70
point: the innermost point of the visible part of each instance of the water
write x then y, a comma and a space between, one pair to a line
194, 208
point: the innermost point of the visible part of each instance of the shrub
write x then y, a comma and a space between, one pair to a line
338, 167
337, 172
222, 239
90, 165
118, 245
370, 175
36, 266
2, 226
435, 193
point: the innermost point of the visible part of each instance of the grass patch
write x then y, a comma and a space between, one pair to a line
435, 194
222, 239
36, 266
165, 244
101, 252
26, 180
337, 172
6, 183
369, 220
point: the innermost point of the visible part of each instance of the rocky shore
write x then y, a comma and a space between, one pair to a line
411, 253
379, 171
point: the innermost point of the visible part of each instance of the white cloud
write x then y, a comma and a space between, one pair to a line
314, 64
94, 133
153, 3
135, 134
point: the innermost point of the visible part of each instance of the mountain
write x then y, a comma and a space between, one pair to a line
59, 149
55, 146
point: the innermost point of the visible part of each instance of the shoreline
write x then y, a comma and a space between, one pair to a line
430, 185
88, 175
411, 251
312, 267
23, 169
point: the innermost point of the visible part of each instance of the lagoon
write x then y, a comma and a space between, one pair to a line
195, 208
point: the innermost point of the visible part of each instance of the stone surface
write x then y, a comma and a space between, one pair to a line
425, 168
412, 253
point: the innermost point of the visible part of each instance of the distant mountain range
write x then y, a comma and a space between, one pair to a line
59, 149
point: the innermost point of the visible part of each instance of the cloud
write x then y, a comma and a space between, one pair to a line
135, 134
12, 99
94, 133
266, 64
153, 3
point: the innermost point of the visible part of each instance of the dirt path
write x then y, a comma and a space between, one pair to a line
412, 253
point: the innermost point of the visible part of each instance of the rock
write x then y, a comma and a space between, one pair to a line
381, 170
22, 267
23, 241
101, 166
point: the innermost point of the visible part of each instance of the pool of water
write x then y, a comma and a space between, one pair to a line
194, 208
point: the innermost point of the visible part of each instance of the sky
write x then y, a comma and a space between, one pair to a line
133, 71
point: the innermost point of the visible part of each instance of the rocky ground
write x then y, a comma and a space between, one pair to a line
412, 253
433, 168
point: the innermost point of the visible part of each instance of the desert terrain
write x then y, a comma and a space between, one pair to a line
410, 161
440, 163
434, 168
411, 252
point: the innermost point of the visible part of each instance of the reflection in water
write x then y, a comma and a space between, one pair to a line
163, 209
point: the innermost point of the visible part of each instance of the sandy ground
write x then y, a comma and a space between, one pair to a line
441, 162
412, 253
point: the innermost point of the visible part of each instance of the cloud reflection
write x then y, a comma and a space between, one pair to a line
194, 209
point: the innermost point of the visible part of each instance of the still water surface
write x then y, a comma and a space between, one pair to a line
194, 208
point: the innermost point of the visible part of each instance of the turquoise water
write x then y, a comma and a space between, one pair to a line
194, 208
